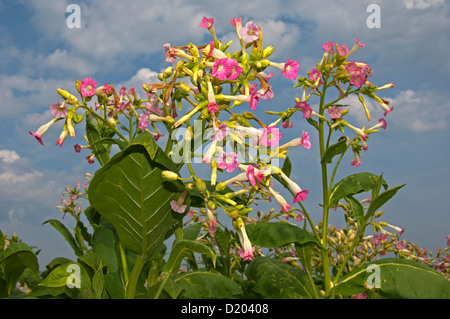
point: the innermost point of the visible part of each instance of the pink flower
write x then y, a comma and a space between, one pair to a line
220, 132
207, 23
290, 69
285, 207
77, 148
314, 75
210, 152
42, 129
246, 250
287, 123
342, 50
250, 32
107, 88
305, 140
251, 174
270, 136
361, 295
383, 123
358, 80
178, 205
221, 69
236, 70
58, 109
236, 22
62, 138
90, 159
254, 99
213, 107
356, 161
87, 87
228, 162
335, 112
169, 57
301, 196
328, 47
304, 106
359, 43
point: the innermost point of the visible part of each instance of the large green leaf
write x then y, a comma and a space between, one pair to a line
71, 275
277, 234
207, 285
131, 194
380, 200
398, 278
276, 280
351, 185
13, 262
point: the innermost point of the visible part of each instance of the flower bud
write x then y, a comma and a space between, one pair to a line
268, 51
221, 186
212, 205
248, 115
72, 100
168, 72
201, 185
169, 175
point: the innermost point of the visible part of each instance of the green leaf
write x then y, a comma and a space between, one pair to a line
357, 209
105, 246
101, 151
131, 194
351, 185
398, 279
191, 232
207, 285
13, 262
277, 234
333, 150
179, 250
380, 200
287, 167
70, 275
276, 280
66, 234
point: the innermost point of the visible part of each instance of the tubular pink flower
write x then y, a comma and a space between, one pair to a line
228, 162
285, 207
290, 69
178, 205
62, 137
254, 99
77, 148
42, 129
300, 195
212, 222
58, 109
220, 132
303, 140
169, 57
210, 152
328, 47
207, 23
287, 123
335, 112
236, 70
270, 136
382, 123
87, 87
356, 161
314, 75
221, 69
212, 105
250, 32
246, 250
342, 50
306, 109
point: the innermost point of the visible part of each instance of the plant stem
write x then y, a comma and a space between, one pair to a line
135, 273
124, 263
325, 261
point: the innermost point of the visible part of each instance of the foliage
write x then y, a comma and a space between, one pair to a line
139, 203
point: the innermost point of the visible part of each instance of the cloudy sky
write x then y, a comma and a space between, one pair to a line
121, 42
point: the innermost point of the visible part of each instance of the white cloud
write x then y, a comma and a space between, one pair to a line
9, 156
421, 4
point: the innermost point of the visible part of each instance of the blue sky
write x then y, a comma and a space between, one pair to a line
121, 42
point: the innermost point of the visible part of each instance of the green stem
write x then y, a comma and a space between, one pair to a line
105, 122
124, 263
135, 273
325, 260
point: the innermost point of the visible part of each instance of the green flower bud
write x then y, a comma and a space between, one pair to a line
201, 185
169, 175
